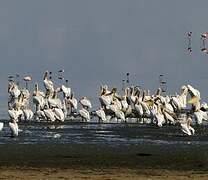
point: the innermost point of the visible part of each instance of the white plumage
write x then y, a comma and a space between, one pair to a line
139, 109
59, 114
1, 126
106, 100
74, 102
14, 129
186, 127
55, 102
120, 115
49, 114
86, 102
84, 114
66, 91
28, 114
101, 114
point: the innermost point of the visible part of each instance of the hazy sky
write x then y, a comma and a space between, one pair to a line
98, 41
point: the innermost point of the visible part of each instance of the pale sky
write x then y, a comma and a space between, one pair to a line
98, 41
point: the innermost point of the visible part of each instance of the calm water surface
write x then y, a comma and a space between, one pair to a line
94, 133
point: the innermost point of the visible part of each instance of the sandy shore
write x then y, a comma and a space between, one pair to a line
104, 174
98, 161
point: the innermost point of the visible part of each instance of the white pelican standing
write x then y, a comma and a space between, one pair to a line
28, 114
106, 96
160, 116
124, 102
38, 98
14, 128
70, 104
1, 126
66, 91
85, 115
48, 84
118, 113
101, 114
179, 101
15, 114
59, 114
14, 90
199, 113
186, 126
49, 114
138, 107
40, 115
27, 79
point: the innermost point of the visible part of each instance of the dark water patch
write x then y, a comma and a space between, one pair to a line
144, 154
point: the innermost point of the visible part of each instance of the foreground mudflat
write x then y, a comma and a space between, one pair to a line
190, 157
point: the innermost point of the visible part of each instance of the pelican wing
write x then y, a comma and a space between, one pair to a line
16, 92
106, 100
194, 91
86, 103
13, 114
119, 114
139, 109
48, 85
101, 114
84, 114
59, 114
74, 103
55, 102
49, 114
66, 91
124, 104
185, 129
39, 100
145, 108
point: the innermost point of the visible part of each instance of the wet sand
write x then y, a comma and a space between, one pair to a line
92, 161
93, 174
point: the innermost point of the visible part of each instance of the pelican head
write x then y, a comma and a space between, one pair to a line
114, 89
46, 75
184, 88
193, 91
105, 87
36, 86
158, 92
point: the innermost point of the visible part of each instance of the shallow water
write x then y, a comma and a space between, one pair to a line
113, 134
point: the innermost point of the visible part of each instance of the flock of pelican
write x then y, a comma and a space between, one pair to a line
59, 103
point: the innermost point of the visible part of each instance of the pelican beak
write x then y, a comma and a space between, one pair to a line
193, 100
149, 103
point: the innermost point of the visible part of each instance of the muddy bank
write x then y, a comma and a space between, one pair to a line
90, 156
